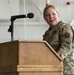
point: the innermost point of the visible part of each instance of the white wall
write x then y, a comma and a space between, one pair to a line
8, 8
29, 29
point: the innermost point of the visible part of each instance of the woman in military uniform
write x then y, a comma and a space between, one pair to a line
59, 35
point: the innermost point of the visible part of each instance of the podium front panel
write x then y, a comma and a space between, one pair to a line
29, 58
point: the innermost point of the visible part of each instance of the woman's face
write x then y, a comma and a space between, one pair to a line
51, 17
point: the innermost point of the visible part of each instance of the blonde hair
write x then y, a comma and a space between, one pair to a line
49, 6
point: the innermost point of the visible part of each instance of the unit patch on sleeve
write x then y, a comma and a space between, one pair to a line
66, 35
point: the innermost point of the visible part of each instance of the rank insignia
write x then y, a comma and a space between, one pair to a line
54, 32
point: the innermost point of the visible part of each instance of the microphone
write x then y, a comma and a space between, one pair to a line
29, 15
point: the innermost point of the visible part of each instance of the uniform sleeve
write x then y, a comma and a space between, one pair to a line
66, 36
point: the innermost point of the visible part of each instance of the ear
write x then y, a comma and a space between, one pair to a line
58, 15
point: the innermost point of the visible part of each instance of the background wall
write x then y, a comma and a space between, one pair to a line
30, 29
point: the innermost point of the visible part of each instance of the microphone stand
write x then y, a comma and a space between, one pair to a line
11, 28
13, 18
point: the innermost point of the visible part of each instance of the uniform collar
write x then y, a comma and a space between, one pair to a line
57, 26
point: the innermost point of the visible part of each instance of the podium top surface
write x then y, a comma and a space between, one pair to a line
34, 41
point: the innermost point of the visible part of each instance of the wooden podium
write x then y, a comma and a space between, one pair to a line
29, 58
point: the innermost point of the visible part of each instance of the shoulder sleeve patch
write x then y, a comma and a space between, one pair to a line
66, 35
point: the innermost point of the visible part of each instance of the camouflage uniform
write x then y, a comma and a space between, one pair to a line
60, 38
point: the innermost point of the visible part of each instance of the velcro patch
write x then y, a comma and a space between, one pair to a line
66, 35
